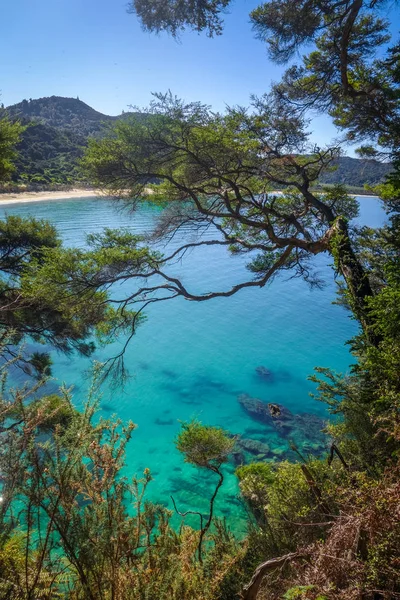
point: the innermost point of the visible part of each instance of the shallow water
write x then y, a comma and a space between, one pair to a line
193, 360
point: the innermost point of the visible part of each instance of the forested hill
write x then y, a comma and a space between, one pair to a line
63, 113
56, 137
356, 172
60, 127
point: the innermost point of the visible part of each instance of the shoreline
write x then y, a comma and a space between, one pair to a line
25, 197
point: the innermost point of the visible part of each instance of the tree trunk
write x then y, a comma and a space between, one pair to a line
358, 285
250, 591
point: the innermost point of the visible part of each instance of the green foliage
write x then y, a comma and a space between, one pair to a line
48, 155
351, 72
56, 131
10, 134
63, 114
221, 171
300, 592
174, 15
369, 398
281, 499
356, 172
204, 446
339, 519
86, 531
52, 411
59, 296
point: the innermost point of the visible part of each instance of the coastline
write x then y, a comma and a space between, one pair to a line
21, 197
25, 197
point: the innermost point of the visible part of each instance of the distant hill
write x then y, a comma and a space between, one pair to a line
356, 172
56, 137
63, 113
60, 127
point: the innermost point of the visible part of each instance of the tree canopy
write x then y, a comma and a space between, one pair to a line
59, 296
219, 172
10, 133
352, 71
175, 15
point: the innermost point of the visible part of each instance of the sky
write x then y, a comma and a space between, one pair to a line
95, 50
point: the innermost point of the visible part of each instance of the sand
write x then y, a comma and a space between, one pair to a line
16, 198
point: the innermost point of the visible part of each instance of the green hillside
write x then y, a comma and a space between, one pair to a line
62, 113
57, 132
356, 172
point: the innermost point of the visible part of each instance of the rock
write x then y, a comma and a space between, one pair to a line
144, 366
255, 447
282, 419
275, 410
310, 426
279, 452
238, 458
283, 375
301, 428
279, 412
265, 374
168, 373
159, 421
225, 510
256, 408
257, 431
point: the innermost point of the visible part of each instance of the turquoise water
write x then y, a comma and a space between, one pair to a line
194, 359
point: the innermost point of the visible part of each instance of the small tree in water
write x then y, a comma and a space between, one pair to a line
208, 448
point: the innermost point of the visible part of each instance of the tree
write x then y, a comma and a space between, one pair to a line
9, 137
37, 301
73, 525
219, 172
58, 296
207, 448
174, 15
352, 72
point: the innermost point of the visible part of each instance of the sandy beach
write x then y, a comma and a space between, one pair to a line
16, 198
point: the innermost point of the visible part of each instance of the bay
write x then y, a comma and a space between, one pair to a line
192, 360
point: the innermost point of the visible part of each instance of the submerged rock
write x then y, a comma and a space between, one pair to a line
159, 421
282, 419
255, 447
238, 458
311, 427
283, 375
256, 408
302, 428
248, 449
257, 431
170, 374
265, 374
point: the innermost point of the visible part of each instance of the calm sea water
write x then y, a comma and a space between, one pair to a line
193, 360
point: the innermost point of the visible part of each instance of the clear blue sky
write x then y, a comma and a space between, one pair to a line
95, 50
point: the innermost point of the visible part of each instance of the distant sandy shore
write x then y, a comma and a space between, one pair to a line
17, 198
